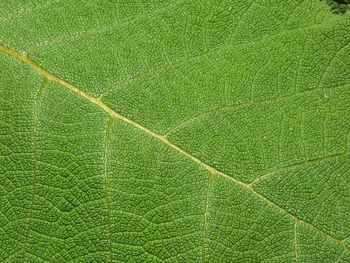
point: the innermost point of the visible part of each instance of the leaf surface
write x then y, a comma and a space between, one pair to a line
174, 131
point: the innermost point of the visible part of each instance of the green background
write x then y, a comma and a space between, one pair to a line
234, 146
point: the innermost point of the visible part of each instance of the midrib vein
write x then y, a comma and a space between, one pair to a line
162, 138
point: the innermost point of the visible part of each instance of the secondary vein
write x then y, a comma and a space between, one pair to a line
116, 115
296, 248
37, 103
106, 185
206, 211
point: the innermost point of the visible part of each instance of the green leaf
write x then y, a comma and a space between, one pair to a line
174, 131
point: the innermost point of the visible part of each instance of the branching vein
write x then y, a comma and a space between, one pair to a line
322, 159
151, 71
245, 104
